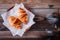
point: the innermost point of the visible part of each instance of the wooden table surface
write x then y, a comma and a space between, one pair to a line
29, 34
36, 8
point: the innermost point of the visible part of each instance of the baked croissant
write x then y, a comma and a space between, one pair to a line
14, 22
23, 17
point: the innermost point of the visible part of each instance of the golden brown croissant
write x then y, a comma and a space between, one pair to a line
23, 17
14, 22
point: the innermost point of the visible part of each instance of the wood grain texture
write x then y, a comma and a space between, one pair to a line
29, 34
35, 6
33, 3
36, 11
4, 6
29, 1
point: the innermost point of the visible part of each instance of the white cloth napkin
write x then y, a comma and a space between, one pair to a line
14, 12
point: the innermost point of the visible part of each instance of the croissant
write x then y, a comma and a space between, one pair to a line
23, 17
14, 22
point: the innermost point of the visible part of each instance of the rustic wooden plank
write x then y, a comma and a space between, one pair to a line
29, 1
18, 1
33, 3
55, 1
4, 6
29, 34
43, 12
44, 5
3, 10
29, 5
36, 11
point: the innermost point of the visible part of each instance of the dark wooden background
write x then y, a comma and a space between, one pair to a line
38, 7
